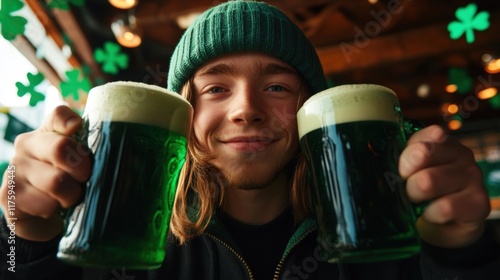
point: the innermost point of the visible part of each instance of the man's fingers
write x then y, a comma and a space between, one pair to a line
63, 152
32, 201
56, 183
62, 120
421, 154
459, 207
433, 133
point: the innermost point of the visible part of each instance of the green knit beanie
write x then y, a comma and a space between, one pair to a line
238, 26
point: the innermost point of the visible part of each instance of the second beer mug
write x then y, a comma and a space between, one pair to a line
137, 134
352, 137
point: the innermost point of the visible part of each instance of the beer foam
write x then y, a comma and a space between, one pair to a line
348, 103
135, 102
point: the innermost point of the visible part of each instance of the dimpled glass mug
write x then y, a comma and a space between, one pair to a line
352, 137
137, 134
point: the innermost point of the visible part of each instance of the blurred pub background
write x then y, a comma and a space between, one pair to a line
441, 57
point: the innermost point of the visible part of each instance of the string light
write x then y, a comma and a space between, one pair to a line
123, 4
126, 32
451, 88
493, 66
487, 93
455, 125
452, 109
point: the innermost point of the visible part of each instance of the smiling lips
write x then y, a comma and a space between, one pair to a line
249, 143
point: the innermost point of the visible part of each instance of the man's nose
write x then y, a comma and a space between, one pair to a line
247, 106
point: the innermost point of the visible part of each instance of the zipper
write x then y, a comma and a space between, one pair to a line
282, 261
240, 257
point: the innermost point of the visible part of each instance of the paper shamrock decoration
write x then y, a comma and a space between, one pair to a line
73, 86
468, 20
460, 78
64, 4
11, 25
30, 88
111, 58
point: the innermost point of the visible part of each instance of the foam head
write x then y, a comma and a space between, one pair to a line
348, 103
139, 103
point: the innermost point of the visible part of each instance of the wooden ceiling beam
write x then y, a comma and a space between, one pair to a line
27, 50
70, 26
50, 27
365, 52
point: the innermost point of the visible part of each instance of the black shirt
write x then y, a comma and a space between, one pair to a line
262, 246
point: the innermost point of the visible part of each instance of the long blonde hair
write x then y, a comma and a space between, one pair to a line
200, 189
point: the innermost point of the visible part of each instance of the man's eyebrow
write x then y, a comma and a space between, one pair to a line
275, 68
218, 69
262, 69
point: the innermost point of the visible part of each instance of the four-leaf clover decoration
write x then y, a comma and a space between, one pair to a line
74, 85
11, 25
468, 20
33, 81
111, 58
64, 4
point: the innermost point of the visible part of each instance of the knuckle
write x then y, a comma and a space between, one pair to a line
475, 173
425, 184
418, 153
62, 186
55, 180
60, 149
446, 210
21, 139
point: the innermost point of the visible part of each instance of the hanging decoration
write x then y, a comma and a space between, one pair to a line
33, 81
14, 128
64, 4
460, 78
468, 20
74, 84
111, 58
11, 25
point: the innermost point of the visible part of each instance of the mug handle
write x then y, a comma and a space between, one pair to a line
410, 127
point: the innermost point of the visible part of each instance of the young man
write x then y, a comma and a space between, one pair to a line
242, 210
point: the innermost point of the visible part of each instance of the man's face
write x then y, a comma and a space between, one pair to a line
245, 116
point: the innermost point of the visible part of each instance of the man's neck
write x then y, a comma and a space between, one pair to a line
257, 206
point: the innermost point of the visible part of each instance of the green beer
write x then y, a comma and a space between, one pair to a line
352, 137
138, 138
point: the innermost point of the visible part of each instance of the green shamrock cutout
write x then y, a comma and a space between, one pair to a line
460, 78
74, 84
111, 58
11, 25
64, 4
33, 82
468, 20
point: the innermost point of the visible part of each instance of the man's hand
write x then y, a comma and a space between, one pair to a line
48, 177
441, 170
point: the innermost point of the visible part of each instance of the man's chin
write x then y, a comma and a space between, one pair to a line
248, 180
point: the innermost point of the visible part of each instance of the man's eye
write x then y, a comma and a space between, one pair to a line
216, 90
275, 88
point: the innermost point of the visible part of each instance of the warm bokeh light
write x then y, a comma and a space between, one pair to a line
126, 34
451, 88
493, 66
487, 93
373, 1
423, 90
444, 107
123, 4
452, 109
454, 124
129, 40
